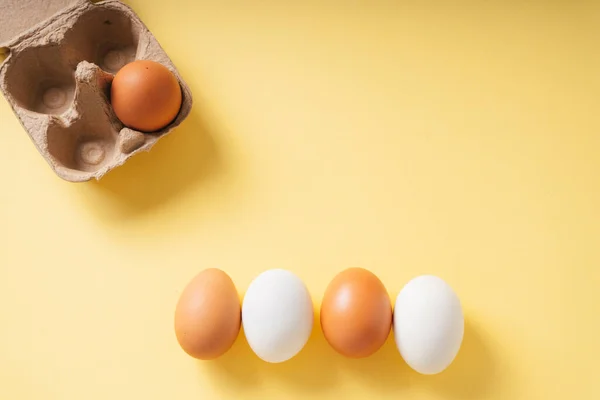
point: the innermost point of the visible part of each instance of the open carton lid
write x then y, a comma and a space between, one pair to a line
18, 16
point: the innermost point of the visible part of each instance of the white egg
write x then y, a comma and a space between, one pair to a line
277, 315
428, 324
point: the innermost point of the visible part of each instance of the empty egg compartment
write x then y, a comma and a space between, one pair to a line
105, 34
81, 150
38, 80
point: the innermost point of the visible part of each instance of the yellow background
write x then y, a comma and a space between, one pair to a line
459, 139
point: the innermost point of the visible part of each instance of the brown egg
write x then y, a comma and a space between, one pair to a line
145, 95
208, 315
356, 313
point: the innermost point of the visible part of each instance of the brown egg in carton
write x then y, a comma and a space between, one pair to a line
62, 56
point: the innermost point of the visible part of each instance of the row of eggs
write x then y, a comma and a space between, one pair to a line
356, 317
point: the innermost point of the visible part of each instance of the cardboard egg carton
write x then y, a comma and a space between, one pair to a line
61, 58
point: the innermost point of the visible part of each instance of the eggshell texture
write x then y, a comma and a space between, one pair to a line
277, 315
145, 95
428, 324
356, 313
208, 315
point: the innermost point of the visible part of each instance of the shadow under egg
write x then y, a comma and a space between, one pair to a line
237, 369
314, 370
384, 371
318, 369
472, 374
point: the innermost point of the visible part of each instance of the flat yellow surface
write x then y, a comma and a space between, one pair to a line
406, 137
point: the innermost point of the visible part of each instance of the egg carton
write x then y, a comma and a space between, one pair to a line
62, 56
